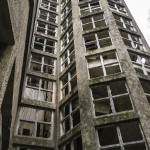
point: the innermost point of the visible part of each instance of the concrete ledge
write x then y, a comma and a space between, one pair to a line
40, 104
44, 143
106, 78
125, 116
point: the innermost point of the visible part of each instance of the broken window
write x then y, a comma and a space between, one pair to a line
146, 87
44, 44
67, 57
97, 40
111, 98
47, 16
67, 37
46, 28
66, 10
41, 63
132, 40
74, 144
35, 122
49, 5
117, 7
39, 89
92, 6
68, 82
103, 64
95, 21
70, 115
141, 63
66, 22
126, 136
124, 22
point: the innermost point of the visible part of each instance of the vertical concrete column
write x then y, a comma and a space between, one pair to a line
140, 102
89, 138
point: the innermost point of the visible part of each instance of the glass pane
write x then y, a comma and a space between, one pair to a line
108, 136
99, 91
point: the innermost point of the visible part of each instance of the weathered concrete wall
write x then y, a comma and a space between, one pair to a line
13, 55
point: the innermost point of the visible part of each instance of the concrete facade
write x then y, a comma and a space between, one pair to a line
75, 76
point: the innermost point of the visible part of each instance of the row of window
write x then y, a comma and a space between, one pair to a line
126, 135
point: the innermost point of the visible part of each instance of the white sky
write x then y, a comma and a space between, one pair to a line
140, 10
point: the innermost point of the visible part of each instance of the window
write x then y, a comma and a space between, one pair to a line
96, 21
124, 22
44, 44
68, 82
43, 64
67, 38
39, 89
103, 64
117, 7
67, 57
35, 123
141, 63
146, 87
131, 40
75, 144
97, 40
45, 28
92, 6
70, 115
112, 97
66, 23
49, 5
126, 136
66, 10
47, 16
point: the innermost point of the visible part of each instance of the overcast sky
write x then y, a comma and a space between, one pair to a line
140, 10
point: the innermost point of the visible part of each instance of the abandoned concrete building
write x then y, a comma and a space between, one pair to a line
75, 75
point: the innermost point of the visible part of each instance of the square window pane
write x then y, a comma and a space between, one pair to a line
112, 69
140, 146
118, 87
76, 118
96, 72
43, 130
108, 136
99, 91
122, 103
102, 107
109, 57
130, 131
